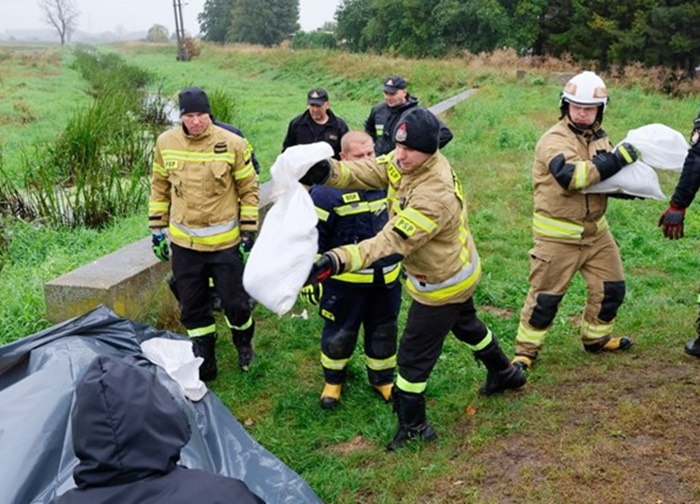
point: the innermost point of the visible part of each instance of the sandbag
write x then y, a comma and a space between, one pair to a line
661, 148
286, 247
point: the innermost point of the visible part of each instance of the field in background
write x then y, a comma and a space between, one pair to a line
604, 429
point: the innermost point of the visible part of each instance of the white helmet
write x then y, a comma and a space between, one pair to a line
585, 89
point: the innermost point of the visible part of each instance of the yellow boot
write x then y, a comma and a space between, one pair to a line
523, 362
385, 390
330, 395
609, 345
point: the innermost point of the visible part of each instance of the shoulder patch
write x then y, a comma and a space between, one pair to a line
404, 228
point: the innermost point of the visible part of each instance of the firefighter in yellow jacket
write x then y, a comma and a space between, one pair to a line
570, 230
204, 190
428, 230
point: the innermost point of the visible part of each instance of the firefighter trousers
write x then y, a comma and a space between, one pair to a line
552, 267
192, 270
345, 308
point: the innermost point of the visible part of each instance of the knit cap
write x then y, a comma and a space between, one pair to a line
193, 99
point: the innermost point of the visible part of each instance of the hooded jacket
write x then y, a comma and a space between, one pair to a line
127, 434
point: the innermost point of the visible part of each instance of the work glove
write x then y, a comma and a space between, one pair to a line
160, 245
247, 242
671, 222
626, 153
325, 267
311, 293
317, 174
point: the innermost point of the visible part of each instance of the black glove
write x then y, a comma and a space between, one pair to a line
671, 222
247, 242
317, 174
325, 267
160, 245
609, 163
626, 153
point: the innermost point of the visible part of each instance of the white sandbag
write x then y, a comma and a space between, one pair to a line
661, 148
286, 247
178, 360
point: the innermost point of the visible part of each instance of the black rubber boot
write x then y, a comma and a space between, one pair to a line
501, 374
205, 347
413, 424
242, 340
693, 347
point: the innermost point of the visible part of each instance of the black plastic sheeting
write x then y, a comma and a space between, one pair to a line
38, 375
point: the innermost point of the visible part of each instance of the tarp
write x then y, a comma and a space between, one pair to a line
38, 376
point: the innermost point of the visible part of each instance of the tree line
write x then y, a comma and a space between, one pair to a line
650, 32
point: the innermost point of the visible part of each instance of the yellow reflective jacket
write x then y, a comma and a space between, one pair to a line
203, 189
427, 226
566, 214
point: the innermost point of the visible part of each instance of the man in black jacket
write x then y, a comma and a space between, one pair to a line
127, 434
381, 123
317, 124
671, 221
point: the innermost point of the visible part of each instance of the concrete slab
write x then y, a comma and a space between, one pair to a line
125, 281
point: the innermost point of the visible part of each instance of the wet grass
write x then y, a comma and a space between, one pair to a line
604, 429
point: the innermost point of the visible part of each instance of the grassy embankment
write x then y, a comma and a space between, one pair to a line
564, 438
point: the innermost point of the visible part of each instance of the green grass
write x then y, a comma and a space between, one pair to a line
341, 453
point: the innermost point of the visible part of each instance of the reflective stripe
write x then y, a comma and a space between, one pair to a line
205, 232
407, 386
381, 364
391, 273
334, 364
160, 170
580, 175
555, 228
244, 172
158, 206
322, 214
486, 341
361, 207
532, 336
447, 291
589, 330
201, 331
229, 236
249, 213
204, 157
245, 326
464, 274
559, 228
417, 218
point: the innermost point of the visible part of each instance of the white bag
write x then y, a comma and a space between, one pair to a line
284, 252
662, 148
176, 357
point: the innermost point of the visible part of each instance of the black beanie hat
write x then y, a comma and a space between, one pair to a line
194, 99
418, 129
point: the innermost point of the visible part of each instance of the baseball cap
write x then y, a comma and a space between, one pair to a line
394, 83
317, 96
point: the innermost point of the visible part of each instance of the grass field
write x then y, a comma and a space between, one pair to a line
603, 429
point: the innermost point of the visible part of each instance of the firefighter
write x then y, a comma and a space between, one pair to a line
317, 124
370, 297
383, 117
428, 231
570, 230
204, 190
671, 221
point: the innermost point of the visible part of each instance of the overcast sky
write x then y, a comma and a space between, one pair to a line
140, 15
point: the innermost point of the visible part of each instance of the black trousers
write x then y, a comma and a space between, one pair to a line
192, 270
425, 333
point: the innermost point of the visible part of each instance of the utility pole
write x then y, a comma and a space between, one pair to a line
182, 54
